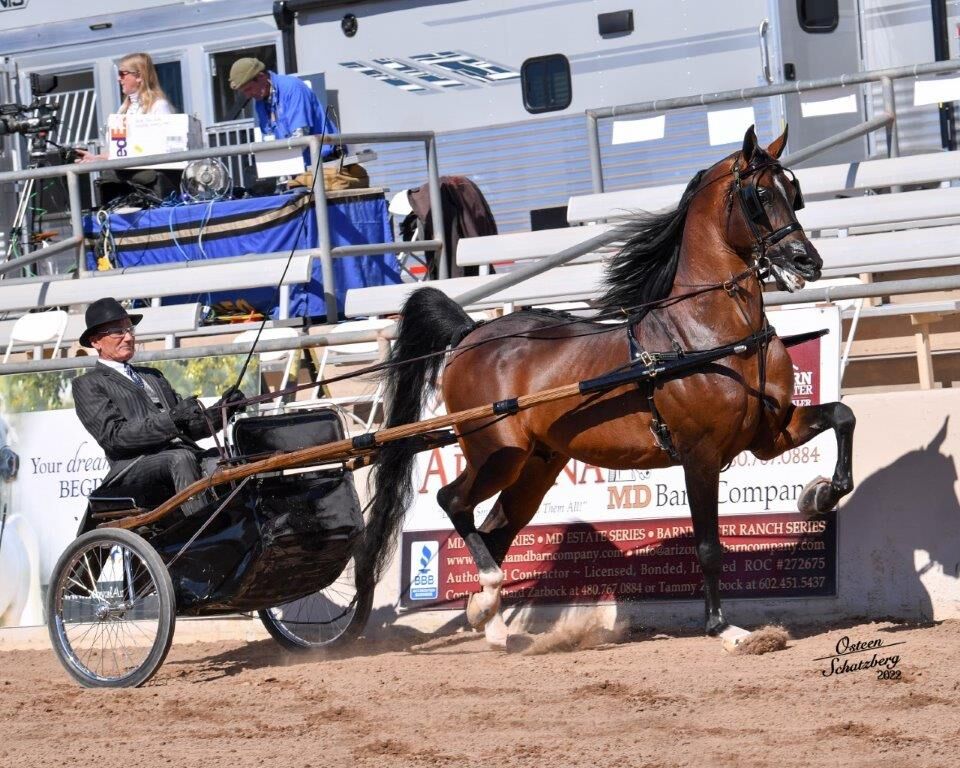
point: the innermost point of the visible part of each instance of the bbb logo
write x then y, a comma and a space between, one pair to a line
424, 570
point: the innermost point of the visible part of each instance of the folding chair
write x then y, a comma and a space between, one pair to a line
282, 359
37, 328
351, 353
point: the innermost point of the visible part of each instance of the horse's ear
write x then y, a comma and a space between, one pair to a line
779, 144
749, 144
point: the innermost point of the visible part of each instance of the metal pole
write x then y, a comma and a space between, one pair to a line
890, 107
850, 133
323, 232
593, 145
436, 209
541, 265
76, 218
64, 245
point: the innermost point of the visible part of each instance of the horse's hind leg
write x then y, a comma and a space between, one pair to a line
820, 495
518, 503
458, 500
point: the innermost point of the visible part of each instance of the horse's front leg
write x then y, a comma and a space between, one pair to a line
702, 480
803, 424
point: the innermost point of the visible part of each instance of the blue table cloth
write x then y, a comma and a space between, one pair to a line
220, 229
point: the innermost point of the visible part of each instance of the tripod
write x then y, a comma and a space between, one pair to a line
17, 241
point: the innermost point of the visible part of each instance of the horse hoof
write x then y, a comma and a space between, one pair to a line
732, 637
816, 497
481, 607
496, 632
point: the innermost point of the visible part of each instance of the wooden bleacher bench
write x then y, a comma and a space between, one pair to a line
843, 179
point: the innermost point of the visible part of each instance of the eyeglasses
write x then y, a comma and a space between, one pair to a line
125, 72
118, 333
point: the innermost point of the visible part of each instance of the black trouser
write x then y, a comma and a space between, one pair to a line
174, 467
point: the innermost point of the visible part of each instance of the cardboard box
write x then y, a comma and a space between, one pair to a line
135, 135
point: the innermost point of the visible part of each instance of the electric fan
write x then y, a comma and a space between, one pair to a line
205, 179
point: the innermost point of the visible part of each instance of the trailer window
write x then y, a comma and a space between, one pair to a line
545, 82
818, 15
171, 80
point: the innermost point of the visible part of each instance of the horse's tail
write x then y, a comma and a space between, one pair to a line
430, 322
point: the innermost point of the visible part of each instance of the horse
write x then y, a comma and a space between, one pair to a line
689, 279
20, 602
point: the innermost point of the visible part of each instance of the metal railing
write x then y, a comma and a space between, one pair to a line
73, 172
883, 76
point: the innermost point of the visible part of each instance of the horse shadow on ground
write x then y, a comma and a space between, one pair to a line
918, 491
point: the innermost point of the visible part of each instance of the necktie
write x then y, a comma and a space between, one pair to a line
135, 377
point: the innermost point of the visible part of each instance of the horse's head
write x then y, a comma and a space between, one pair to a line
9, 463
767, 197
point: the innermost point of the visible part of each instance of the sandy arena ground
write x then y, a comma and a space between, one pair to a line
415, 700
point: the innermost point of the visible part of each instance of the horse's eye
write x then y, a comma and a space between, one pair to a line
764, 195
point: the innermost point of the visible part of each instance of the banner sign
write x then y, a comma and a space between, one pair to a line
605, 534
49, 465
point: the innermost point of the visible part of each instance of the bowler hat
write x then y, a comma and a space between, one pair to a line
244, 70
102, 312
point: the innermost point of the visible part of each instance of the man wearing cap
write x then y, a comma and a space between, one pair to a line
285, 106
146, 430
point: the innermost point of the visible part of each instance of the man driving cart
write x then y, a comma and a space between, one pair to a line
147, 431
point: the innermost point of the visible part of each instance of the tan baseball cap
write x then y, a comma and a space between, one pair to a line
244, 70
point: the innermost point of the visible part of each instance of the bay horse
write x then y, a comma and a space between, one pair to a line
688, 279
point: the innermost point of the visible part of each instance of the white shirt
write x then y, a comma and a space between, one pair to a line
120, 368
160, 107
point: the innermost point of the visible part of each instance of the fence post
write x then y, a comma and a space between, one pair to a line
593, 145
890, 107
323, 231
436, 209
76, 218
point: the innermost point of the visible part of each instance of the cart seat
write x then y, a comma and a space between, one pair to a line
287, 431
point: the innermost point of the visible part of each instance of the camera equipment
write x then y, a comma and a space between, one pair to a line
35, 121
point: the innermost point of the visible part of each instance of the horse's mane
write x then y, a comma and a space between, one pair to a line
643, 269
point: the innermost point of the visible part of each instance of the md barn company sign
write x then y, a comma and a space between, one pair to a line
603, 535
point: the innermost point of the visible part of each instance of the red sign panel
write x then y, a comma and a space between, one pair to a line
776, 555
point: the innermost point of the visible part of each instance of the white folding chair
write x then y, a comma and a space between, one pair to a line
270, 361
351, 353
38, 328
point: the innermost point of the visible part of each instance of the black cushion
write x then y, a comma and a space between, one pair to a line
287, 431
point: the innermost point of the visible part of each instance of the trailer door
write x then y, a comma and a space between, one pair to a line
818, 39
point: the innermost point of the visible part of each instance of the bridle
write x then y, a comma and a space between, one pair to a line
753, 209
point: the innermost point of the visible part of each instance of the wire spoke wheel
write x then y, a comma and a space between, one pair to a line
111, 609
326, 619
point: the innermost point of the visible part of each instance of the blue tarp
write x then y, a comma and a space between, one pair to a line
220, 229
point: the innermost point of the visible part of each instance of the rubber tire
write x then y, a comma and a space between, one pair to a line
350, 633
167, 618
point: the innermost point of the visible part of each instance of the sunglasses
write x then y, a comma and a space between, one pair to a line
125, 72
118, 333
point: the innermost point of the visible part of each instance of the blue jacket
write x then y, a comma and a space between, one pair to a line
293, 109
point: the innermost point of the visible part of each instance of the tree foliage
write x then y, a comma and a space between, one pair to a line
202, 376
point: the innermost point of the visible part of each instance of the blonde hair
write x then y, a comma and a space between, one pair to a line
150, 91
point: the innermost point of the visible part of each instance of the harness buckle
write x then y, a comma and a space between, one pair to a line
646, 358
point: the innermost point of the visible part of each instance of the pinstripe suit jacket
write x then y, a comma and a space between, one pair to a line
123, 419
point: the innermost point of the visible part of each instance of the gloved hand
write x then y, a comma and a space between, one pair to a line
233, 398
187, 415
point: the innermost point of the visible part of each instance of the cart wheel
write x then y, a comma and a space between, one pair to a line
325, 619
111, 609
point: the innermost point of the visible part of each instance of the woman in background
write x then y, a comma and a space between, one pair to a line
142, 94
141, 87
